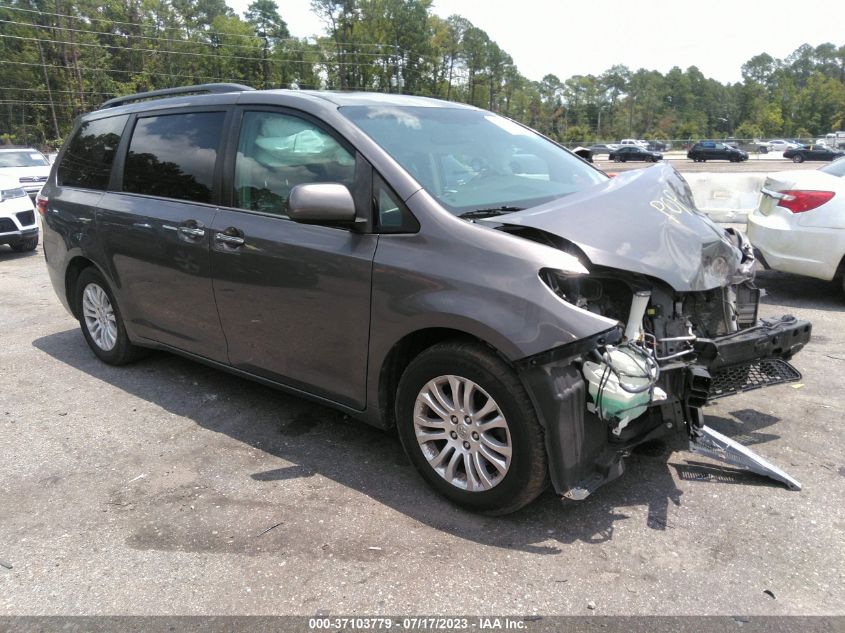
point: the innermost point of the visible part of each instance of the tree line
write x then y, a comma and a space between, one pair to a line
64, 57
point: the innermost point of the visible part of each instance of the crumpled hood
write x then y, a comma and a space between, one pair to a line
643, 221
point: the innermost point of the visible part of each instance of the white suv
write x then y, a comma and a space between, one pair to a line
29, 167
18, 226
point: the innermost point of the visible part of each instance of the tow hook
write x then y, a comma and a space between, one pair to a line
706, 441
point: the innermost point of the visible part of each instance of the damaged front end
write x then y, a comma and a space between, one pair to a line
682, 292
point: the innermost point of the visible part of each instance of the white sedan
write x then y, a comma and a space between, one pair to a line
778, 145
799, 225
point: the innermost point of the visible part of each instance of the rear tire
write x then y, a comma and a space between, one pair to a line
101, 320
470, 435
25, 245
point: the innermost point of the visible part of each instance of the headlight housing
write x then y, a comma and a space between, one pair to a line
8, 194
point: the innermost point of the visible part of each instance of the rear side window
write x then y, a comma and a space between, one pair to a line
173, 155
88, 157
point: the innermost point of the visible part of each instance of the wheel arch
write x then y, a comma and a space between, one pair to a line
74, 268
404, 351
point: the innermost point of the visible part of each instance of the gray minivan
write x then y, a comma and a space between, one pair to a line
518, 317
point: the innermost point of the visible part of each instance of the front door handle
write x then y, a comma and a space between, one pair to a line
191, 231
230, 237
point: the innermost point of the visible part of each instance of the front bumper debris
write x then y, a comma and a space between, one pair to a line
706, 441
585, 452
765, 372
771, 338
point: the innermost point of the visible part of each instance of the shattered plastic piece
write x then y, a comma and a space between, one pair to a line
769, 593
717, 446
798, 386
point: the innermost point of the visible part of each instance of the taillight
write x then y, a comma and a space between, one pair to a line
41, 204
799, 201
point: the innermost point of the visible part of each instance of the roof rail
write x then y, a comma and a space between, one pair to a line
182, 90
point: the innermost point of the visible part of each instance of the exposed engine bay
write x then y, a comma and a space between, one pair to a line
682, 292
674, 353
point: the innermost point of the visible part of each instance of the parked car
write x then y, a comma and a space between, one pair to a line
27, 166
712, 150
633, 153
633, 141
799, 225
603, 148
657, 146
18, 226
812, 152
776, 145
514, 326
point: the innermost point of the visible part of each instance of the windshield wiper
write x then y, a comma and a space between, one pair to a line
488, 213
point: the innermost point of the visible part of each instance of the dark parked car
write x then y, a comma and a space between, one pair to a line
657, 146
515, 315
634, 152
812, 152
713, 150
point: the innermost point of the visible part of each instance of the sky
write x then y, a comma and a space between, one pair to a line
581, 37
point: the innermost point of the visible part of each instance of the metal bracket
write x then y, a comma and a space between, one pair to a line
706, 441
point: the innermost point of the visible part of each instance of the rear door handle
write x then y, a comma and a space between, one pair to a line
230, 237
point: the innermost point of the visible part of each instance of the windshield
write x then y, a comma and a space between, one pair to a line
836, 168
22, 159
472, 160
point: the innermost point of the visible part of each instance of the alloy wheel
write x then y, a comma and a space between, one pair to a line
462, 433
99, 317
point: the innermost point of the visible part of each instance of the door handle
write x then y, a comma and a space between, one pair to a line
230, 237
191, 231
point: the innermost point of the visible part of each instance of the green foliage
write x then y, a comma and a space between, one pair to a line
65, 57
747, 129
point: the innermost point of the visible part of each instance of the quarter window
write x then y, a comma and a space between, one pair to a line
173, 156
88, 158
393, 216
276, 152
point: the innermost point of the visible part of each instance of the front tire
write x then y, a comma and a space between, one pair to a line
25, 245
470, 430
101, 320
798, 158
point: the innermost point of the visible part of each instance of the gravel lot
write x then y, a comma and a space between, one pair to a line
167, 487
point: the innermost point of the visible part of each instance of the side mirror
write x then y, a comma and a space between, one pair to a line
321, 203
